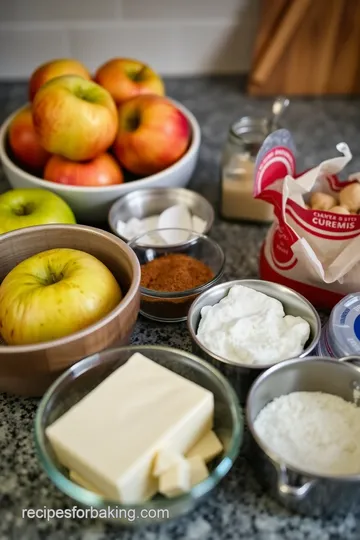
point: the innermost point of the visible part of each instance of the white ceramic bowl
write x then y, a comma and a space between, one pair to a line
91, 204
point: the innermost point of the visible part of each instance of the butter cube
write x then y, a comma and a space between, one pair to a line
176, 480
111, 436
198, 470
164, 460
75, 477
207, 448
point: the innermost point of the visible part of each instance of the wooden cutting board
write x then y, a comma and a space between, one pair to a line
307, 47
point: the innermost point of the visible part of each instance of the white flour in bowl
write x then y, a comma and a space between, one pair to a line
313, 431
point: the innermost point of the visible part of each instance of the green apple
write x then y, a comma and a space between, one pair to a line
21, 208
53, 294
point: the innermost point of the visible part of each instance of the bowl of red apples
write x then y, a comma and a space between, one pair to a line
93, 138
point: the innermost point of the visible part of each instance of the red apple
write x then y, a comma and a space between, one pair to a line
152, 134
25, 144
55, 68
101, 171
74, 118
125, 78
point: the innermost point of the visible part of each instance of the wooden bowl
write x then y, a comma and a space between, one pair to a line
28, 370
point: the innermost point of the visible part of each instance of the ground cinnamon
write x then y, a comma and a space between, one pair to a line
175, 272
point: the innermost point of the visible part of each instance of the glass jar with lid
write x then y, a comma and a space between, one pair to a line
244, 140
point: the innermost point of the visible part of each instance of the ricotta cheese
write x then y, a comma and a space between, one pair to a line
250, 327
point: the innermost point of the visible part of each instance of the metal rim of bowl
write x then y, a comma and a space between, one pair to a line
189, 292
135, 284
193, 147
88, 497
157, 191
273, 456
256, 367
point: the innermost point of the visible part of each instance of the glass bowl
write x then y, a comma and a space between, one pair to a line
84, 376
174, 306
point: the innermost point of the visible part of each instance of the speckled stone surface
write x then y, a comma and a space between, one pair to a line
238, 509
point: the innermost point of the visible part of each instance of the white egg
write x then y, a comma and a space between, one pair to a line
175, 217
198, 224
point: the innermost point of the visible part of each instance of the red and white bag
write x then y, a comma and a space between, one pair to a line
314, 252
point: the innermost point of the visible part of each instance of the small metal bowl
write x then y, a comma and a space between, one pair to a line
243, 375
173, 306
144, 203
303, 491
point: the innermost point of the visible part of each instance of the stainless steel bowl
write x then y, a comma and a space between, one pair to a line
144, 203
243, 375
296, 489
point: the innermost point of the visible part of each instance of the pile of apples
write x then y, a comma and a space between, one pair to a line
84, 131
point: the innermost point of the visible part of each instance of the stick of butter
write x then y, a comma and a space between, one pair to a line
207, 448
182, 476
198, 470
75, 477
111, 436
176, 480
164, 460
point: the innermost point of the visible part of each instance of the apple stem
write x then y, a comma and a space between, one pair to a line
139, 74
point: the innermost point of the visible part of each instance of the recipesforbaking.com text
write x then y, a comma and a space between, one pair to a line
130, 514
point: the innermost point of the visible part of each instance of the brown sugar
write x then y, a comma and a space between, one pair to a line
175, 272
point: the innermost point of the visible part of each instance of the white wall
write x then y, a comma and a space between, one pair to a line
181, 37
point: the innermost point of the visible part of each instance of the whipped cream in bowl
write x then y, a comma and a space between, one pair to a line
246, 326
250, 327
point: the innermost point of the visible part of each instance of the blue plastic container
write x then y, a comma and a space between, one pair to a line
341, 334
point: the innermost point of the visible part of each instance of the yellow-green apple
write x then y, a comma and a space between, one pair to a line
21, 208
24, 143
55, 68
74, 118
152, 134
125, 78
53, 294
100, 171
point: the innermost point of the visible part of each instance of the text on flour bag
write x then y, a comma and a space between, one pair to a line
315, 252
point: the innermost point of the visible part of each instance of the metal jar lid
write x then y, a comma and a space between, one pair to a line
250, 132
342, 333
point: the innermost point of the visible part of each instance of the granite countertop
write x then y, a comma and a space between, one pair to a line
238, 509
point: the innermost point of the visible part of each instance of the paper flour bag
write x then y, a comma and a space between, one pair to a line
315, 252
